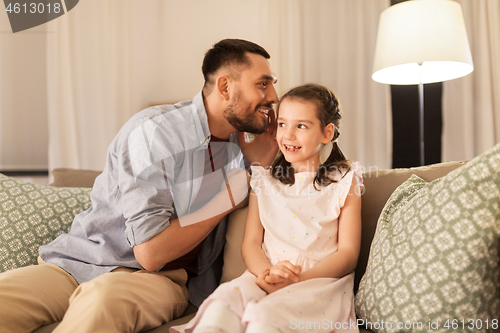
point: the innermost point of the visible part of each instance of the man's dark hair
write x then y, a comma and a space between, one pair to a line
229, 52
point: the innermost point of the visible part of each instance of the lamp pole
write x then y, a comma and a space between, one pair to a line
421, 110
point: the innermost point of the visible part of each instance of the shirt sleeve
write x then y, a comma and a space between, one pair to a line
146, 199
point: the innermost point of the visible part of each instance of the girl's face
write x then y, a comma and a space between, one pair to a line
300, 136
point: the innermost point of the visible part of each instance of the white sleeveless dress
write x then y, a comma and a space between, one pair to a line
301, 226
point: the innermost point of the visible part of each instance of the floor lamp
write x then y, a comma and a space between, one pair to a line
421, 41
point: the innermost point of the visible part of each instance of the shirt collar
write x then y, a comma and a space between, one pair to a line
202, 114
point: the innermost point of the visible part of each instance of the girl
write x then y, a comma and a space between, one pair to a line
302, 233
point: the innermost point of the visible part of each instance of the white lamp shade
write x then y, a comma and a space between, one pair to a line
427, 32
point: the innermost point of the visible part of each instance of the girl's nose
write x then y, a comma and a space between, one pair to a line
289, 134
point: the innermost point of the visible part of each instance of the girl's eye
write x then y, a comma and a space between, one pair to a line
281, 124
302, 126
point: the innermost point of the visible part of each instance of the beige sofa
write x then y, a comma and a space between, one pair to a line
379, 185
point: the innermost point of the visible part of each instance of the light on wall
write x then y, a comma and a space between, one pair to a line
421, 41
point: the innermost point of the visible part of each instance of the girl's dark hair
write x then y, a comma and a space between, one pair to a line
327, 110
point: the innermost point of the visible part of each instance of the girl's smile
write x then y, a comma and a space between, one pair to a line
291, 149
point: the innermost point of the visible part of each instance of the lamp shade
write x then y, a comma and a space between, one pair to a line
430, 33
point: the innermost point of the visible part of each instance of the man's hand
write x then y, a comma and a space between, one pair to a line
263, 149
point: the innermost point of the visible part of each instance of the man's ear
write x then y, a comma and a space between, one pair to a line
223, 86
328, 133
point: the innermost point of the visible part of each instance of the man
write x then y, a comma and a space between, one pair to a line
157, 210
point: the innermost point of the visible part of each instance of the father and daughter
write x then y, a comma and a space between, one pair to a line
303, 229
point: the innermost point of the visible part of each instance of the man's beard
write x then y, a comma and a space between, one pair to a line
248, 122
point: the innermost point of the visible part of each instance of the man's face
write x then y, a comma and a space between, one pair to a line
253, 97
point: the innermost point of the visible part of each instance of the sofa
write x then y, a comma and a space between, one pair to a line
74, 187
379, 185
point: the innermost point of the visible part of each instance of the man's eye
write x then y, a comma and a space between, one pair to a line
264, 84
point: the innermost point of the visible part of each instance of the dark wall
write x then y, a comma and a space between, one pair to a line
405, 123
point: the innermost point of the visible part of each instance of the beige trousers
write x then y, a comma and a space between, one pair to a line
124, 300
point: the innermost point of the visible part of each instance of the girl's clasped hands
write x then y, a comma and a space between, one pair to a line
280, 275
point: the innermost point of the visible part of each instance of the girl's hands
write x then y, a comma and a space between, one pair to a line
280, 275
261, 282
284, 271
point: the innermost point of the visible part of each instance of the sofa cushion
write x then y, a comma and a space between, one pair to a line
234, 265
435, 254
32, 215
379, 185
66, 177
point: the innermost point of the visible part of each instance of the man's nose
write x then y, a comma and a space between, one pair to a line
272, 96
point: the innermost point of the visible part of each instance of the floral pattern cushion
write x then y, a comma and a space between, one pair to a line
434, 259
32, 215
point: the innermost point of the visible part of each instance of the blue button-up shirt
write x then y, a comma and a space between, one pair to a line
153, 173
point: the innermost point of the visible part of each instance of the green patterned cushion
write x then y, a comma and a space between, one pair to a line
435, 254
32, 215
